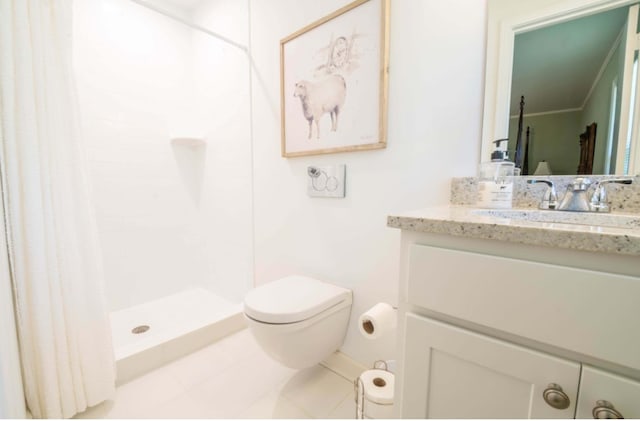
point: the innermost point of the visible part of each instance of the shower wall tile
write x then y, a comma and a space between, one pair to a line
221, 84
142, 79
133, 70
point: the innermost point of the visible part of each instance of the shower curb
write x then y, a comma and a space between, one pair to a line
130, 367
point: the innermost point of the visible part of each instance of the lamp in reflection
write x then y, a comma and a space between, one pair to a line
543, 168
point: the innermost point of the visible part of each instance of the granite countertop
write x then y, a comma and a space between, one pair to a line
465, 221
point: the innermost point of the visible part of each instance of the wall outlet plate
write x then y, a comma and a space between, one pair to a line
326, 181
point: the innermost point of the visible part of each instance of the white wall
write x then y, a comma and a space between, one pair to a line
165, 211
435, 112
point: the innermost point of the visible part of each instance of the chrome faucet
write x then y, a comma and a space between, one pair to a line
575, 199
550, 196
598, 201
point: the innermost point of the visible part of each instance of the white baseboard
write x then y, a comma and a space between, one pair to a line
344, 365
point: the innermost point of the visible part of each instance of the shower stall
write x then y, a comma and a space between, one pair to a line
164, 95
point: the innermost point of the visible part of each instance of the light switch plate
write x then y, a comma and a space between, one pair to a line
326, 181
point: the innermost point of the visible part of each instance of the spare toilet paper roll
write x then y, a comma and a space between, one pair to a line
376, 399
377, 320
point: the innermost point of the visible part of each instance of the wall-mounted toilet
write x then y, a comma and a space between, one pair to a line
298, 321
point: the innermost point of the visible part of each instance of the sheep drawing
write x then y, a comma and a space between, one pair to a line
326, 96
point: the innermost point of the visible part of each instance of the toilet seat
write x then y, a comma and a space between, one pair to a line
292, 299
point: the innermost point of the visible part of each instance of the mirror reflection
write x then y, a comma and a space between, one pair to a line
567, 94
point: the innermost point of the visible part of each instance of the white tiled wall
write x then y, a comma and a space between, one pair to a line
221, 77
143, 79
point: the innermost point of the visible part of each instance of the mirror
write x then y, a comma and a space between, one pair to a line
566, 59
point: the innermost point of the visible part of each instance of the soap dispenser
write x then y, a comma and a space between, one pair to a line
495, 181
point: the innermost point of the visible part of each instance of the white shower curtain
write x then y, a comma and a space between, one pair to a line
63, 327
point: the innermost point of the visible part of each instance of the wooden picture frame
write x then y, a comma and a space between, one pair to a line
334, 82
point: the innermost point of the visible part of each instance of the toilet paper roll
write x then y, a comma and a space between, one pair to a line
379, 319
374, 398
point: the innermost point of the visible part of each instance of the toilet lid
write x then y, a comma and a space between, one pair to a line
292, 299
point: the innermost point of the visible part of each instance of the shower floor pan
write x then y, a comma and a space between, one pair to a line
152, 334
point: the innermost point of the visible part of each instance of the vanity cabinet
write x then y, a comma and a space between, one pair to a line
501, 330
455, 373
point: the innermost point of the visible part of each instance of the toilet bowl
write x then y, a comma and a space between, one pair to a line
298, 321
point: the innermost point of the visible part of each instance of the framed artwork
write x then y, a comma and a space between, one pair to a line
333, 82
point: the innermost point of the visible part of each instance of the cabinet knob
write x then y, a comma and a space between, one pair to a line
605, 410
555, 397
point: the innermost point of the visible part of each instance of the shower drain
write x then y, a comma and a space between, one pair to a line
140, 329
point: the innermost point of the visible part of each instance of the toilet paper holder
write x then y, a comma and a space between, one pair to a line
378, 320
359, 387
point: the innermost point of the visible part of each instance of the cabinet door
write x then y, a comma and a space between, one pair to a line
596, 386
449, 372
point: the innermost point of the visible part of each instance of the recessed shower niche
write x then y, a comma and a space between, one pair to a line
190, 155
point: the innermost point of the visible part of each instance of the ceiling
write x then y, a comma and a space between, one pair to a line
184, 5
555, 67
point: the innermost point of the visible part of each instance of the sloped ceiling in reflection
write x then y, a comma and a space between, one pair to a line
555, 67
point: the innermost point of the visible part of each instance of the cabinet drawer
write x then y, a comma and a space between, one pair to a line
593, 313
621, 393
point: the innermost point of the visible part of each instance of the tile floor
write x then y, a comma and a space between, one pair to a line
232, 378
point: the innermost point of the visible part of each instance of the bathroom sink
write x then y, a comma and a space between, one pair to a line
611, 220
